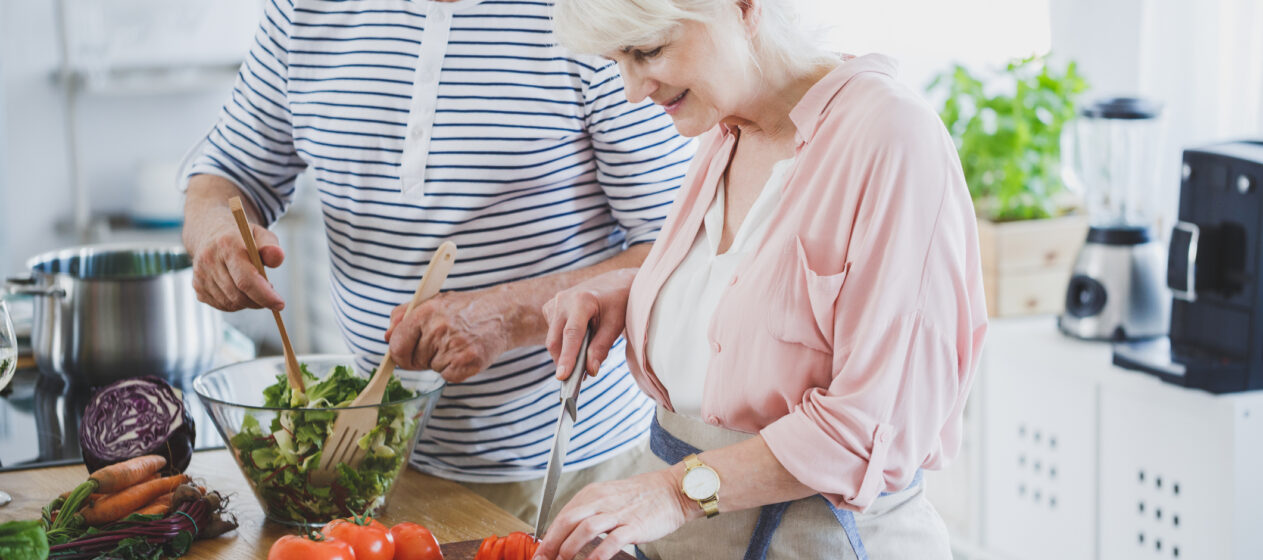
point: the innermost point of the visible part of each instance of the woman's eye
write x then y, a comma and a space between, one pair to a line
648, 54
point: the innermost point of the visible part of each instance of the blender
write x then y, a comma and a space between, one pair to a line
1117, 290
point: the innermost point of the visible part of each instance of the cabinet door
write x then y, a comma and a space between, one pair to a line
1040, 440
1167, 472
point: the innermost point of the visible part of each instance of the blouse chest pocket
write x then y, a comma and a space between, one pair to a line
802, 301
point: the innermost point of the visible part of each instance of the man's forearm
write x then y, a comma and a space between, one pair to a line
528, 323
206, 204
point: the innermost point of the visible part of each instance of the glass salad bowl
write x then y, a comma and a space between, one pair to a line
276, 437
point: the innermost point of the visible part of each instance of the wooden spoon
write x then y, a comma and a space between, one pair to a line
292, 370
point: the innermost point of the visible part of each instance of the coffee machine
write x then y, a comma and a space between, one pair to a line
1215, 275
1116, 289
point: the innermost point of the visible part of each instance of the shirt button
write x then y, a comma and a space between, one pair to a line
883, 438
417, 131
715, 346
429, 75
712, 419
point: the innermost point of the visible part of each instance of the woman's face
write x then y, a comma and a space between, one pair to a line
700, 74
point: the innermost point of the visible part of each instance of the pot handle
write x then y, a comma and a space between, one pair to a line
25, 285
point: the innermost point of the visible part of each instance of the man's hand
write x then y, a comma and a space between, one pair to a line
457, 334
223, 275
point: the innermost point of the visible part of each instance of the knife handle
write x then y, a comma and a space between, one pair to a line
570, 387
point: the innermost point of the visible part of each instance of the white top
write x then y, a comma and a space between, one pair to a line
678, 348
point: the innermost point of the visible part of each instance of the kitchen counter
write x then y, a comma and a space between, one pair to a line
450, 511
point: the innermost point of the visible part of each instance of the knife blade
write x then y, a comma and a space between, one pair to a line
561, 441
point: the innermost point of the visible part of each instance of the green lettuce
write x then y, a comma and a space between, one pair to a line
280, 457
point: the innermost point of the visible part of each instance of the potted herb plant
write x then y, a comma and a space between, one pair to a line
1007, 126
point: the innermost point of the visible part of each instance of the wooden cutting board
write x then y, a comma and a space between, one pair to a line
465, 550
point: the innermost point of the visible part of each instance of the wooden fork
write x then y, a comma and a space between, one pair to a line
356, 421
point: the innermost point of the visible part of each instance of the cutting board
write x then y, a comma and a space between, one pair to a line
465, 550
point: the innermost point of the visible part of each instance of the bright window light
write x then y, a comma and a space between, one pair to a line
928, 35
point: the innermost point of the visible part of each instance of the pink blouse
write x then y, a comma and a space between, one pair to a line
849, 338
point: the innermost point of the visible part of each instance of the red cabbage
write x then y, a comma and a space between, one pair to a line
134, 417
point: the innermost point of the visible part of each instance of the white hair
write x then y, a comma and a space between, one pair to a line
603, 26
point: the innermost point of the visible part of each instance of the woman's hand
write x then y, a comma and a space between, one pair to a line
599, 301
636, 510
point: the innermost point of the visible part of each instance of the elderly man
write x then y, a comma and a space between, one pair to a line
430, 121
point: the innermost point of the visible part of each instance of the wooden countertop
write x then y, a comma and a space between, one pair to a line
450, 511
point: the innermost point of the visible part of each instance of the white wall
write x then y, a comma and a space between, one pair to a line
116, 133
927, 36
1203, 60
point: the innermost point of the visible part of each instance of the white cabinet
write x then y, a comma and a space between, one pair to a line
1039, 415
1073, 457
1179, 472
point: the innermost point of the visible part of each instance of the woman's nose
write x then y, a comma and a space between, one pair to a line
637, 85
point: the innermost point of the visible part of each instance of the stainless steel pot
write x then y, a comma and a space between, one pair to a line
108, 312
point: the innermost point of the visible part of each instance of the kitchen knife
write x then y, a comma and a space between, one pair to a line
569, 413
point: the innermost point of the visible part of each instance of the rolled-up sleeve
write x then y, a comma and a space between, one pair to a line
640, 159
252, 143
908, 321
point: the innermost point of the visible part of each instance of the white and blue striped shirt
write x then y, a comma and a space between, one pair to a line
430, 121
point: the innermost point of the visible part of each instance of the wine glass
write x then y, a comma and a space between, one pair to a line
8, 363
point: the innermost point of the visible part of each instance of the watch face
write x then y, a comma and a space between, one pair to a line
700, 483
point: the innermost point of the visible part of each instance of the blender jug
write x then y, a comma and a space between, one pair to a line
1111, 160
1110, 157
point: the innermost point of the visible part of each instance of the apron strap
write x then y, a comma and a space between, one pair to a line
667, 447
847, 519
769, 519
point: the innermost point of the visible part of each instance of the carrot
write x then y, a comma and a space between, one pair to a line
160, 506
129, 473
98, 495
123, 503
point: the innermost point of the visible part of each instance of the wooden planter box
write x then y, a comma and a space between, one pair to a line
1026, 265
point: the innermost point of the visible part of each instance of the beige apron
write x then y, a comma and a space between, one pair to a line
899, 525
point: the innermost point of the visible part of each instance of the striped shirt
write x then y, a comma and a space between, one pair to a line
430, 121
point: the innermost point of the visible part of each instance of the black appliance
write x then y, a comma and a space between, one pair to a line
1213, 271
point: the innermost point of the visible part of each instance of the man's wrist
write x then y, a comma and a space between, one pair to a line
526, 321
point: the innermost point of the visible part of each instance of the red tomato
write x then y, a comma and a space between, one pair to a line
414, 542
515, 548
371, 541
484, 549
509, 541
292, 547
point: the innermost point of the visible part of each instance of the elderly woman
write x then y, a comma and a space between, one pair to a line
811, 316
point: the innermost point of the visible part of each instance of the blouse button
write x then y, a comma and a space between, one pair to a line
715, 346
712, 419
733, 282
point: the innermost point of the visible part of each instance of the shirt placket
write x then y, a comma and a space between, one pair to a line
425, 92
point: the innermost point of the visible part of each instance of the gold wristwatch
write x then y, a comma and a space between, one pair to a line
701, 483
